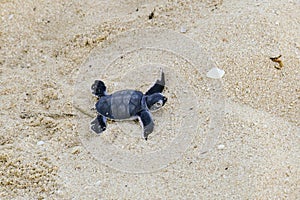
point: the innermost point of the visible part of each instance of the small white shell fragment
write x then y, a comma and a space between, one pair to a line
182, 29
215, 73
39, 143
10, 16
98, 183
221, 146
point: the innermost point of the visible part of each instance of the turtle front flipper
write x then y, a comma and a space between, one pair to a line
147, 123
98, 88
159, 85
98, 125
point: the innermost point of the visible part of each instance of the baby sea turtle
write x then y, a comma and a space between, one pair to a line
128, 104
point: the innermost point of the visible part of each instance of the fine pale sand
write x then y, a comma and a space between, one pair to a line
247, 123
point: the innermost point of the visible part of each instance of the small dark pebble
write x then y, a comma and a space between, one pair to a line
151, 15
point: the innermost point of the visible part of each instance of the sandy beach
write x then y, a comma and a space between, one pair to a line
230, 138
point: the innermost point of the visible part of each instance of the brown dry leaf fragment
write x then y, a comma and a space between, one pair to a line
277, 60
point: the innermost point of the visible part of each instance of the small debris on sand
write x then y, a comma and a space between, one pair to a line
215, 73
277, 60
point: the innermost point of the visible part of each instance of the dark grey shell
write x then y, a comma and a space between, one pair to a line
123, 104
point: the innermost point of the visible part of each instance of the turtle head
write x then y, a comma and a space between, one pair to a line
155, 101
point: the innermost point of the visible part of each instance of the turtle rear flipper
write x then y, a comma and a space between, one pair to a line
98, 88
98, 125
147, 123
159, 85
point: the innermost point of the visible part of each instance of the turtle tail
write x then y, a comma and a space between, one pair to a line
98, 88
